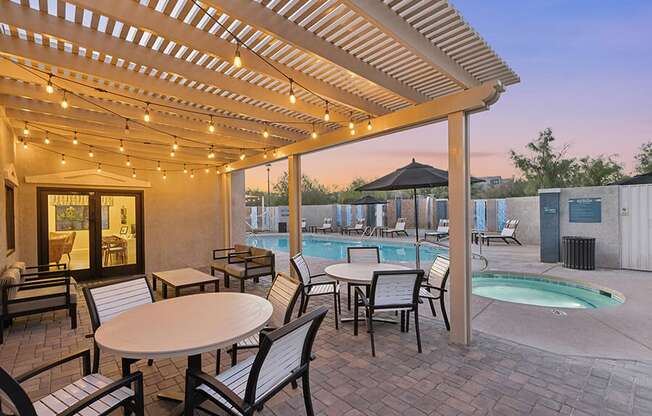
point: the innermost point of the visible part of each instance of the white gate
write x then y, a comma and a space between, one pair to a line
636, 226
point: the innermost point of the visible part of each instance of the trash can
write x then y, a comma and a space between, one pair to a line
578, 252
282, 227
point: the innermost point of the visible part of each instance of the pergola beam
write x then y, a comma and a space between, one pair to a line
148, 19
474, 99
267, 20
395, 26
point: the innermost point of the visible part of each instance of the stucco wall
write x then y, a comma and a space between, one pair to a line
7, 155
606, 233
181, 215
526, 210
315, 214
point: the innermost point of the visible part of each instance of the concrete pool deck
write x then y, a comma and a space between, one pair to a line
615, 332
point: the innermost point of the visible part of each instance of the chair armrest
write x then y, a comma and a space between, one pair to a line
59, 266
427, 286
309, 285
39, 284
362, 295
85, 355
318, 275
45, 274
99, 394
218, 387
236, 253
221, 250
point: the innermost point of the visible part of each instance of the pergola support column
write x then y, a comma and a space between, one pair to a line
294, 203
225, 211
459, 197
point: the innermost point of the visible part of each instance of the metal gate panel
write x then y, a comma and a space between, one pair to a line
636, 226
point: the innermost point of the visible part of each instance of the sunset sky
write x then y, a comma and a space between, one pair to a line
586, 72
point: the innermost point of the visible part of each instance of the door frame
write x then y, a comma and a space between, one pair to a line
95, 269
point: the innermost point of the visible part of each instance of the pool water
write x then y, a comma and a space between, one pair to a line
541, 291
335, 249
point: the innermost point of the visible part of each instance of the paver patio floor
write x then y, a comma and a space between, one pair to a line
492, 377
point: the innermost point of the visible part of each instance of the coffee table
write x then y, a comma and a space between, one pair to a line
183, 278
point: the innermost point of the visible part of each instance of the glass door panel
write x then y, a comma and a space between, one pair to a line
68, 230
119, 218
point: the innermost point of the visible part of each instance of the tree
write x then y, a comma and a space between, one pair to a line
312, 192
644, 158
598, 171
545, 167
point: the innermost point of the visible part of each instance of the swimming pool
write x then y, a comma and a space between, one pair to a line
335, 249
542, 291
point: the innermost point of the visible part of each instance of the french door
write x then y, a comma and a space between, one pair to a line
96, 232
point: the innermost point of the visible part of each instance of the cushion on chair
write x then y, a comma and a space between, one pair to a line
60, 400
35, 304
238, 270
265, 261
11, 276
219, 265
20, 265
240, 248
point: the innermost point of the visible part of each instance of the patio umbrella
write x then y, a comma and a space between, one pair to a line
412, 176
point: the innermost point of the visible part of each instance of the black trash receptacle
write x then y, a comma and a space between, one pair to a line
578, 252
282, 227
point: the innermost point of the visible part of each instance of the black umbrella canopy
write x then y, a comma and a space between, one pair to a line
368, 200
412, 176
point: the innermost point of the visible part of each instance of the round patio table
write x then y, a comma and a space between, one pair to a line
184, 326
361, 274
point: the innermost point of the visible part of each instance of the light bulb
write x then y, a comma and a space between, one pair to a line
327, 115
133, 173
211, 126
26, 130
47, 138
265, 155
211, 153
99, 167
237, 61
122, 146
63, 159
146, 116
64, 102
352, 132
185, 170
158, 166
24, 144
175, 145
274, 153
314, 132
74, 139
217, 170
192, 173
351, 125
206, 170
128, 162
265, 133
172, 154
90, 152
369, 127
293, 98
165, 174
242, 156
49, 88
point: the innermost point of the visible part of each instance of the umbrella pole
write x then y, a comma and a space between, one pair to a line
416, 215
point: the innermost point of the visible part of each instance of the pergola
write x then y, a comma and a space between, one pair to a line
231, 84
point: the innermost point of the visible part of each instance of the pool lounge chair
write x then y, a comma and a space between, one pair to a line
508, 233
304, 225
440, 232
399, 228
327, 227
358, 228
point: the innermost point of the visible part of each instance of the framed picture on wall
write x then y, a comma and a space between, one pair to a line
124, 230
75, 217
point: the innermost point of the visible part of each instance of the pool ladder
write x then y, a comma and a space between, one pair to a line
475, 256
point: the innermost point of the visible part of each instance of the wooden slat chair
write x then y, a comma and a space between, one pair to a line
105, 301
391, 290
310, 288
284, 357
441, 232
369, 254
283, 295
92, 395
508, 233
434, 287
399, 228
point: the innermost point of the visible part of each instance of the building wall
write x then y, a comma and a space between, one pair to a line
182, 221
606, 233
526, 210
7, 156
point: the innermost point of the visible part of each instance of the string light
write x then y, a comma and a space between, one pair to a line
327, 116
237, 61
211, 153
24, 144
217, 170
126, 127
175, 145
242, 155
369, 127
351, 125
90, 151
26, 129
49, 88
185, 170
293, 98
64, 102
165, 174
265, 132
133, 173
211, 126
314, 132
274, 152
122, 146
99, 167
352, 132
74, 138
128, 162
146, 116
158, 166
63, 159
47, 138
265, 155
192, 173
173, 153
206, 170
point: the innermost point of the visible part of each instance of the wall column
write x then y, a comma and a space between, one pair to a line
459, 196
225, 208
294, 203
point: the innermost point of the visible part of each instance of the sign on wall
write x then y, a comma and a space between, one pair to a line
586, 210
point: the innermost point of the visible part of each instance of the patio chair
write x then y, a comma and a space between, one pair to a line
327, 227
259, 263
105, 301
36, 289
312, 288
508, 233
358, 228
283, 295
370, 254
434, 287
391, 290
441, 232
283, 358
224, 256
399, 228
93, 394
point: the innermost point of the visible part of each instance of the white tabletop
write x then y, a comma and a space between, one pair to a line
359, 272
184, 326
183, 277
